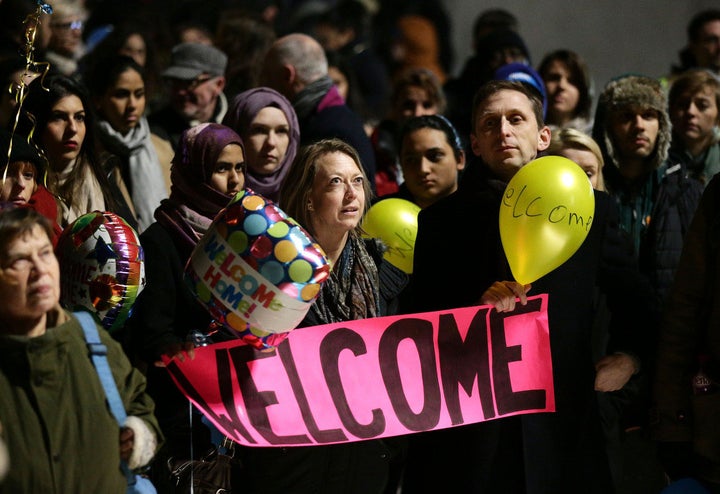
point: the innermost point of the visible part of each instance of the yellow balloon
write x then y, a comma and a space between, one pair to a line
394, 221
545, 215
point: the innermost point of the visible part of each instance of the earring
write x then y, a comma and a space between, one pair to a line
310, 207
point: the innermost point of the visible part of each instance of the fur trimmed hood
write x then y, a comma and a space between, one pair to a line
638, 92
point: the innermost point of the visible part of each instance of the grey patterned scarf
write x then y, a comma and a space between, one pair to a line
147, 184
310, 96
352, 291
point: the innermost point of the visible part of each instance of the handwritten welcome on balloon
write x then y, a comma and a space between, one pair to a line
394, 221
545, 215
376, 377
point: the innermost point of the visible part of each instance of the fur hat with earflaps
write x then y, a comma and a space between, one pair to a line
635, 92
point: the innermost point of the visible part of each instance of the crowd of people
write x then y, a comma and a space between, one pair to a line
162, 112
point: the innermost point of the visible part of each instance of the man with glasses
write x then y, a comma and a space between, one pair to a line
195, 80
66, 46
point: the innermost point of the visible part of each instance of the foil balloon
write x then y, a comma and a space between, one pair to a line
545, 215
395, 222
256, 270
102, 267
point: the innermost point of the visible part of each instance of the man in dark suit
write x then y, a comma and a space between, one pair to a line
559, 452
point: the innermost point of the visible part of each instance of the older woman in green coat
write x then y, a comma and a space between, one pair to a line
59, 430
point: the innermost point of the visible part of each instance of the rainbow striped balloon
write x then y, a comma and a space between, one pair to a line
102, 267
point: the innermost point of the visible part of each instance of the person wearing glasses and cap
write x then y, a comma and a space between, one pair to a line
196, 83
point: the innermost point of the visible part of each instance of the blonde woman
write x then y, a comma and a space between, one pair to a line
583, 150
327, 191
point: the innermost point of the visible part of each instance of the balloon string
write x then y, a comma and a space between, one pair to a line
31, 23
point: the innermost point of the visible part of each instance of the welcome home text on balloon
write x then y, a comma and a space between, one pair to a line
229, 278
376, 377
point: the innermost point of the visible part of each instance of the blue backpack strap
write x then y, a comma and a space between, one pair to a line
98, 353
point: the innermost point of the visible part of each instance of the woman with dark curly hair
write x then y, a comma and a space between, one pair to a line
58, 115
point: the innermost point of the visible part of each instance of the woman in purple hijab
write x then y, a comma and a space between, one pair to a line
207, 172
267, 123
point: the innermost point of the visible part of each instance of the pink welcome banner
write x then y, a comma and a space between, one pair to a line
376, 377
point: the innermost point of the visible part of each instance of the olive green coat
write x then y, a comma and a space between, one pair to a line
60, 433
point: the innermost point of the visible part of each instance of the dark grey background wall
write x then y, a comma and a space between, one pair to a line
613, 36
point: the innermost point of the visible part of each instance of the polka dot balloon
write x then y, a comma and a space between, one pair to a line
256, 270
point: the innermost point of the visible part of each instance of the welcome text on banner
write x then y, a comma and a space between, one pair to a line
376, 377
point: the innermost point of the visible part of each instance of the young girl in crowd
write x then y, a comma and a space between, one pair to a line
567, 83
431, 158
583, 150
208, 170
22, 179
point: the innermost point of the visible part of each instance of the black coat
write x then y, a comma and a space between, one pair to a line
361, 467
343, 123
166, 310
164, 313
458, 255
675, 197
689, 335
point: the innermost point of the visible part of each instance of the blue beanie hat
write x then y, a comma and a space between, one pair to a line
523, 73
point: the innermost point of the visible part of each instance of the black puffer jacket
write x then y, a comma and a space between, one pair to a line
656, 207
676, 201
673, 197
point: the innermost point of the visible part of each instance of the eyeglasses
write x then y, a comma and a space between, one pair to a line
68, 26
192, 84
